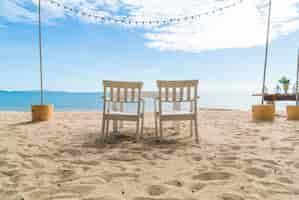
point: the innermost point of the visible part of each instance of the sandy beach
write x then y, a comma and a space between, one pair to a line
64, 160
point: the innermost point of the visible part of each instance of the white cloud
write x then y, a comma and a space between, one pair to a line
239, 27
14, 10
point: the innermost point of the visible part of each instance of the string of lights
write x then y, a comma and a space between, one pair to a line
128, 20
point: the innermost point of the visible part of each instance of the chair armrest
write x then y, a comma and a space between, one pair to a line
196, 98
105, 99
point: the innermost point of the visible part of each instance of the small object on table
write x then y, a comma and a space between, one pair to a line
285, 84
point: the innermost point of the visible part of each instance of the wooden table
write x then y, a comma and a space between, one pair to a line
271, 98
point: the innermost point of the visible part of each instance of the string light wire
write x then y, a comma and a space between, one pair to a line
129, 21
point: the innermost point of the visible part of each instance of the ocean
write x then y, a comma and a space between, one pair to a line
80, 101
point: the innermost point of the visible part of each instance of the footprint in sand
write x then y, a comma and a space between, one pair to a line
229, 161
296, 165
149, 198
284, 150
212, 176
18, 197
159, 156
168, 151
236, 147
138, 169
79, 188
230, 158
197, 158
110, 177
147, 156
66, 174
3, 163
36, 164
38, 194
230, 196
197, 187
122, 157
101, 198
289, 163
64, 195
175, 183
10, 172
264, 138
285, 180
3, 150
86, 162
156, 190
260, 173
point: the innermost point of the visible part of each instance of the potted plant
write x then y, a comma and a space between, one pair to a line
285, 84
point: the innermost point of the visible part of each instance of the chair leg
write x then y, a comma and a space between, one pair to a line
137, 130
161, 128
156, 125
103, 128
191, 128
107, 128
121, 123
196, 130
142, 124
115, 126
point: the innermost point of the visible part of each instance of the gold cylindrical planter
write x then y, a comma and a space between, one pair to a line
42, 112
263, 112
293, 112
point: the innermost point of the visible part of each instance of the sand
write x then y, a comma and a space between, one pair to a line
64, 160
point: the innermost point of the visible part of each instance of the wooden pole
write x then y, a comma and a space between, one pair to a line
40, 54
297, 79
266, 51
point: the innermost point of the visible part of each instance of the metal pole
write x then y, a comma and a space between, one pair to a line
297, 79
40, 53
266, 51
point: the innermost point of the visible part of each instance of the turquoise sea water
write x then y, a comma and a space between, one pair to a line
63, 101
68, 101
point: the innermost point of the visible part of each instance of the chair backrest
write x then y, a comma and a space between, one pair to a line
177, 91
122, 91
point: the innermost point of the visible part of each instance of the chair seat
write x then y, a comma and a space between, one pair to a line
122, 113
130, 116
177, 115
177, 112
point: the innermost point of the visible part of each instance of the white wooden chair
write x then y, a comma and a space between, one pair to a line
177, 92
122, 93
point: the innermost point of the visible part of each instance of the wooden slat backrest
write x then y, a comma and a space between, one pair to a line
121, 91
177, 84
176, 91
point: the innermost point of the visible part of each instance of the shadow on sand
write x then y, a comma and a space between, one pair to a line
149, 142
23, 123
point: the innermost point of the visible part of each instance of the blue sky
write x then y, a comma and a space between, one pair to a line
78, 53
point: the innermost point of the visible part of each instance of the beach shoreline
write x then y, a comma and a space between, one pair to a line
203, 108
